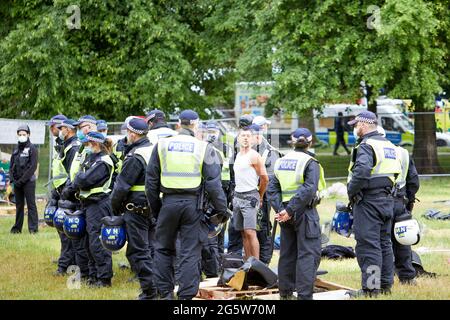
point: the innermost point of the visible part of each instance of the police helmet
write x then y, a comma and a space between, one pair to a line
407, 232
75, 225
113, 235
342, 220
49, 213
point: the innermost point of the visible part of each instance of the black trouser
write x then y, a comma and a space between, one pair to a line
340, 141
402, 254
264, 236
67, 255
179, 217
102, 258
372, 228
26, 192
140, 241
210, 258
87, 266
300, 251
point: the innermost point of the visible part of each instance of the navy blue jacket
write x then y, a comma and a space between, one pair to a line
364, 161
211, 174
305, 192
133, 173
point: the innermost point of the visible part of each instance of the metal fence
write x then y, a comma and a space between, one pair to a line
399, 129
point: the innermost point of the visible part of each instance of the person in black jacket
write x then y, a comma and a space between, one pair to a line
180, 211
128, 197
339, 127
24, 162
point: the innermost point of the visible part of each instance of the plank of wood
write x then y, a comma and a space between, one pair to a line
320, 283
330, 295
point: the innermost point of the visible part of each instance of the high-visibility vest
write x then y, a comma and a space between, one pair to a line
181, 159
387, 161
404, 162
119, 156
145, 153
105, 188
163, 132
78, 159
290, 172
59, 173
225, 174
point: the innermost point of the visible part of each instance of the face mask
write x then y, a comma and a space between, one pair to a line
80, 135
61, 135
22, 139
104, 134
88, 150
355, 133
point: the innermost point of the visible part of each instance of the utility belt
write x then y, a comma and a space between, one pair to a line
142, 210
372, 193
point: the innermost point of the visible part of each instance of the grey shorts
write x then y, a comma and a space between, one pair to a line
244, 214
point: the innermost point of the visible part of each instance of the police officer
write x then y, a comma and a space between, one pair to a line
92, 183
119, 147
102, 127
70, 147
407, 185
129, 196
59, 178
373, 170
156, 120
84, 125
293, 193
23, 165
67, 147
178, 168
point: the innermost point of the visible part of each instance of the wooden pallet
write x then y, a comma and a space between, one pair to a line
7, 210
209, 290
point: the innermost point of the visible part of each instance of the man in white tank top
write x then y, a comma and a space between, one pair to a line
251, 181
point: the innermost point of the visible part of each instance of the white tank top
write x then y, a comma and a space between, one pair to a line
244, 173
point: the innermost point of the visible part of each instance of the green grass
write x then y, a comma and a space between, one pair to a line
26, 260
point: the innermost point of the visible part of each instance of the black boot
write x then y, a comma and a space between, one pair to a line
149, 294
409, 282
103, 283
91, 281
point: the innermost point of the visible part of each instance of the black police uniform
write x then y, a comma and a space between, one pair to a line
373, 210
180, 213
23, 164
96, 207
67, 256
139, 222
264, 234
405, 196
300, 249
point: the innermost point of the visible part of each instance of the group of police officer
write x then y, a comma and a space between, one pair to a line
161, 182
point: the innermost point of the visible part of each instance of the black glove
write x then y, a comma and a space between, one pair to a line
410, 206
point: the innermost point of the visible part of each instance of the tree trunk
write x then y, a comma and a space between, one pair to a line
306, 120
425, 149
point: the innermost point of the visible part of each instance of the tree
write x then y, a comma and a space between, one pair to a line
322, 50
126, 57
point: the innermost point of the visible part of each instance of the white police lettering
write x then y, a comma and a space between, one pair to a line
288, 165
181, 146
389, 153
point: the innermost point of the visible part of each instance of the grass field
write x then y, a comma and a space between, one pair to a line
26, 260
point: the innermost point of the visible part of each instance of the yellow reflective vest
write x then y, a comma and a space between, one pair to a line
59, 173
145, 153
290, 172
105, 188
387, 162
181, 160
404, 162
